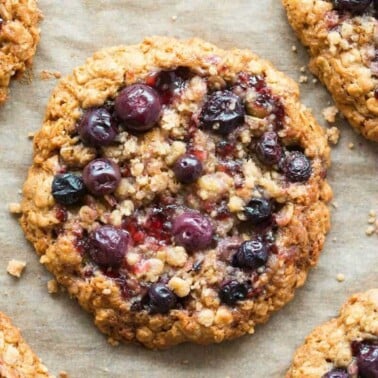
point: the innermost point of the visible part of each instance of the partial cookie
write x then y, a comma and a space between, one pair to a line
19, 35
17, 360
345, 347
178, 191
341, 36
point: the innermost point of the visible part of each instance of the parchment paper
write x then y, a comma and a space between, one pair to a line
55, 326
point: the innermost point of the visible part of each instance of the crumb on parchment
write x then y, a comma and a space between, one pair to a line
16, 267
333, 135
373, 223
14, 208
340, 277
52, 286
330, 113
303, 79
63, 374
48, 75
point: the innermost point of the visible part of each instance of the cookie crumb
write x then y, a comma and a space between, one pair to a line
16, 267
106, 291
15, 208
370, 230
340, 277
333, 135
63, 374
334, 239
31, 135
113, 342
351, 146
48, 75
52, 287
303, 79
330, 113
303, 69
334, 205
314, 81
294, 48
174, 18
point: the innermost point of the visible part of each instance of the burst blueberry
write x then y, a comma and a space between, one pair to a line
268, 149
192, 230
108, 245
101, 176
336, 373
232, 292
97, 128
366, 353
353, 6
67, 188
223, 112
187, 168
297, 167
138, 107
258, 210
252, 254
161, 299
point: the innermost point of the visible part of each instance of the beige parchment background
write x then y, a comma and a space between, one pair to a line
57, 329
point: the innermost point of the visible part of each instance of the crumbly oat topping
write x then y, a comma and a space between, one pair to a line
213, 195
19, 35
343, 47
330, 113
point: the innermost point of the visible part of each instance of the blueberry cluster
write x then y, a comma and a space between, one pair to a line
137, 109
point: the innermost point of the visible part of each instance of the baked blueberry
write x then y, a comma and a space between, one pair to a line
366, 353
101, 176
223, 112
161, 299
138, 107
97, 128
336, 373
297, 167
268, 149
170, 83
187, 168
67, 188
108, 245
258, 210
353, 6
192, 230
233, 291
251, 254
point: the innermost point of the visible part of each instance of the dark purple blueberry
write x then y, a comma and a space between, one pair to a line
258, 210
67, 188
222, 112
161, 299
251, 254
233, 291
171, 83
366, 353
107, 245
268, 149
336, 373
353, 6
97, 128
192, 230
187, 169
101, 176
138, 107
375, 2
297, 167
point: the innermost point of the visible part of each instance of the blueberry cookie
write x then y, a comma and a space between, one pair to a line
19, 35
17, 360
342, 39
178, 191
344, 347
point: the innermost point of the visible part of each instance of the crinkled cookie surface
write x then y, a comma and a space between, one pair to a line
178, 191
346, 346
19, 36
342, 42
17, 360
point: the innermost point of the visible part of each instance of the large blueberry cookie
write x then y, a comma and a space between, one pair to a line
19, 35
342, 39
17, 360
344, 347
178, 191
